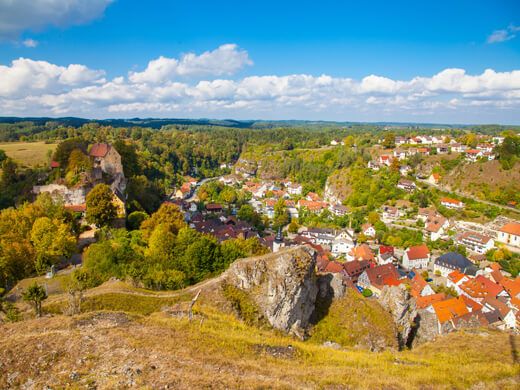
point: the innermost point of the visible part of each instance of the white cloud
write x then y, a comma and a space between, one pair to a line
26, 76
29, 87
30, 43
225, 60
17, 16
503, 35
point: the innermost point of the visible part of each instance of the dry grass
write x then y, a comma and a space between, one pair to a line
28, 153
114, 350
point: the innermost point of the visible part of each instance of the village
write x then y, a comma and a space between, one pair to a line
458, 288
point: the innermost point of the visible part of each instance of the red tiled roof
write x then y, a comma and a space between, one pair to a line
98, 150
493, 288
448, 200
333, 267
474, 305
456, 276
79, 208
55, 164
511, 228
449, 309
427, 300
418, 252
363, 252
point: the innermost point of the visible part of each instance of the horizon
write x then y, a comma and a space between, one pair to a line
364, 63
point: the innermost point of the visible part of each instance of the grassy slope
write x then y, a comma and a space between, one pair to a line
225, 353
28, 153
354, 320
150, 352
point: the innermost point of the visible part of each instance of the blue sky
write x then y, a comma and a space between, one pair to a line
438, 61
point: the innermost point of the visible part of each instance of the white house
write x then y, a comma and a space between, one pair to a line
416, 257
294, 189
400, 154
368, 230
390, 213
452, 203
342, 246
435, 227
510, 234
476, 242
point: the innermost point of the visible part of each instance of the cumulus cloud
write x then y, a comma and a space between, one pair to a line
17, 16
30, 43
225, 60
26, 76
503, 35
29, 87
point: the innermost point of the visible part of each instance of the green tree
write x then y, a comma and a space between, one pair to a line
9, 175
389, 140
79, 161
3, 156
135, 219
373, 217
101, 209
35, 294
52, 238
129, 158
169, 215
65, 148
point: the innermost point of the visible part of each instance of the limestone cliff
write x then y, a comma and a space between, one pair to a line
282, 286
403, 308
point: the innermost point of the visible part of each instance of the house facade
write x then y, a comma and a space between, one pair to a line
510, 234
416, 257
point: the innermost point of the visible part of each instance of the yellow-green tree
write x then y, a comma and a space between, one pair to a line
101, 209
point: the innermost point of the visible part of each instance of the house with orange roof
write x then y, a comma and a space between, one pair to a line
494, 289
474, 289
426, 302
361, 252
368, 230
375, 278
333, 268
512, 287
435, 227
416, 257
452, 203
455, 279
435, 178
510, 234
447, 310
419, 286
470, 303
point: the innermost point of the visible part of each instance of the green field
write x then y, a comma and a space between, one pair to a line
28, 153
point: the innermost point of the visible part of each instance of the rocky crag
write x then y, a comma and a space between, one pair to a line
281, 285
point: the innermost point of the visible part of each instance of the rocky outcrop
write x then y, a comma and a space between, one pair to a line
403, 308
331, 286
427, 328
70, 196
336, 187
282, 285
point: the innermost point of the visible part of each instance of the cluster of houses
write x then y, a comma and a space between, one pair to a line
485, 297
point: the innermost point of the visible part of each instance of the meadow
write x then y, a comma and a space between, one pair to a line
28, 154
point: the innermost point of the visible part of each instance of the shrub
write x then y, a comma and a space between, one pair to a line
241, 303
367, 292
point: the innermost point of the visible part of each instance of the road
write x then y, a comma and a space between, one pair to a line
197, 187
467, 196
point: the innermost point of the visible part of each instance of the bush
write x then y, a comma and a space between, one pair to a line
241, 303
367, 292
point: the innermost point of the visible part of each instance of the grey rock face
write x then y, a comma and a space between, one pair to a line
428, 327
403, 308
331, 286
281, 284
